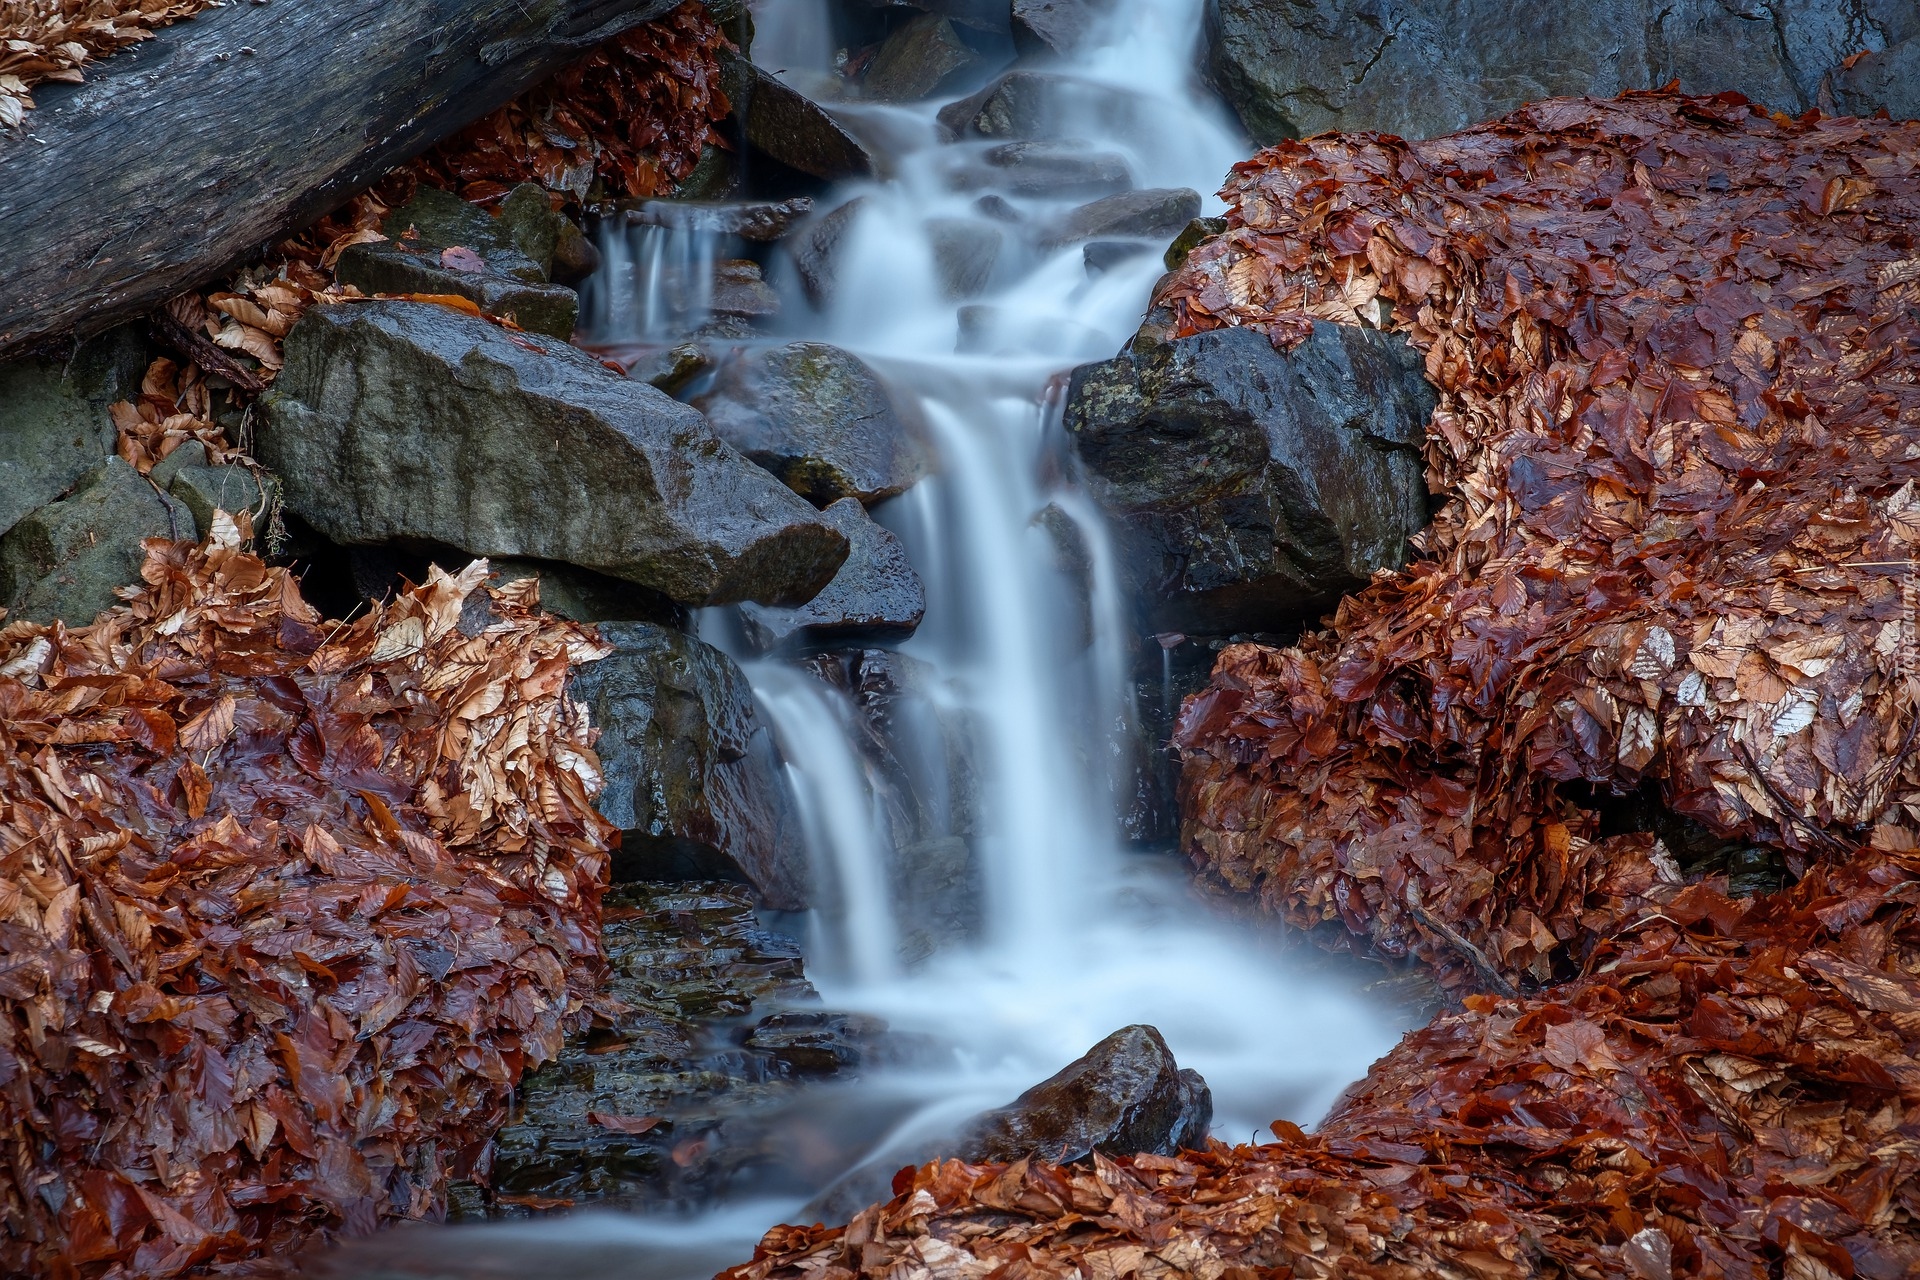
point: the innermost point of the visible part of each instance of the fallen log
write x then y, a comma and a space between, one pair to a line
183, 157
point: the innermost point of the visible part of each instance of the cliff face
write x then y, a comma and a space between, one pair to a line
1675, 342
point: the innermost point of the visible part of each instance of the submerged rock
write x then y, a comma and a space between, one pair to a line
1125, 1096
965, 253
762, 221
1420, 69
66, 559
1041, 106
875, 596
1156, 213
817, 251
818, 418
693, 777
1251, 488
1048, 169
54, 426
397, 421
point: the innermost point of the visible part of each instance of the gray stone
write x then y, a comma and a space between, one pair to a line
1420, 68
740, 291
817, 251
1047, 169
66, 559
397, 421
1157, 213
1102, 256
574, 256
54, 426
694, 779
441, 220
401, 266
818, 418
965, 253
206, 489
917, 61
798, 132
1040, 106
1889, 79
1191, 237
532, 225
762, 221
188, 453
1060, 27
1251, 488
875, 596
1125, 1096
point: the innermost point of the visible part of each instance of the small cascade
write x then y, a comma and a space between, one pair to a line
655, 281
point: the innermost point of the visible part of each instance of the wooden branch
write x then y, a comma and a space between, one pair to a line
187, 155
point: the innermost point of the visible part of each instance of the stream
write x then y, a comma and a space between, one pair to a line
1073, 931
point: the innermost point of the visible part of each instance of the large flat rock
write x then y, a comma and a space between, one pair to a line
1252, 488
409, 422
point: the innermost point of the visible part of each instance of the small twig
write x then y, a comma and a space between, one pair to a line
1489, 975
199, 348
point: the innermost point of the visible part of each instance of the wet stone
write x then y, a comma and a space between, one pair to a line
817, 251
965, 253
918, 60
1102, 256
1060, 27
1156, 213
1035, 105
67, 559
762, 221
875, 596
1055, 170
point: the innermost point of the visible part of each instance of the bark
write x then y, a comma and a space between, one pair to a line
184, 156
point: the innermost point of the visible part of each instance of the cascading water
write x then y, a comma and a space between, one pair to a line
1078, 937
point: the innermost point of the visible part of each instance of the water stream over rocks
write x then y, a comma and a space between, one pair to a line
975, 888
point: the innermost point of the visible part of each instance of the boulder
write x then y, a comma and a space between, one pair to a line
789, 127
66, 559
1887, 78
1059, 27
398, 421
1157, 213
694, 779
54, 426
965, 253
1126, 1096
585, 596
1047, 169
816, 1042
875, 596
1251, 488
817, 250
1041, 106
741, 292
762, 221
818, 418
1420, 68
918, 60
204, 489
1102, 256
439, 243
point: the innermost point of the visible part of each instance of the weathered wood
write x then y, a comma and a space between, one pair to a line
184, 156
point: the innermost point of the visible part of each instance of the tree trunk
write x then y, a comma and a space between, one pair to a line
185, 156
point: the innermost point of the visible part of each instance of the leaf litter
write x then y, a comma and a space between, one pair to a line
287, 906
1678, 436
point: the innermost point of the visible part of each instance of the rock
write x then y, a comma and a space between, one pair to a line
1419, 68
797, 132
532, 224
65, 559
1888, 78
401, 267
1102, 256
694, 779
815, 1042
1126, 1096
917, 61
397, 421
965, 253
761, 221
574, 256
875, 596
205, 489
1152, 214
999, 209
818, 418
585, 596
817, 250
435, 220
54, 426
1251, 488
741, 292
1040, 106
1195, 233
1048, 169
1057, 26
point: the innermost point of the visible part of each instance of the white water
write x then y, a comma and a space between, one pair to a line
1080, 936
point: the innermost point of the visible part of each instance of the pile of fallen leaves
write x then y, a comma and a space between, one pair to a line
1730, 1090
1677, 347
42, 40
634, 114
286, 907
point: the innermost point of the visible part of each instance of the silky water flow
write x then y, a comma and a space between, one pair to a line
1025, 654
